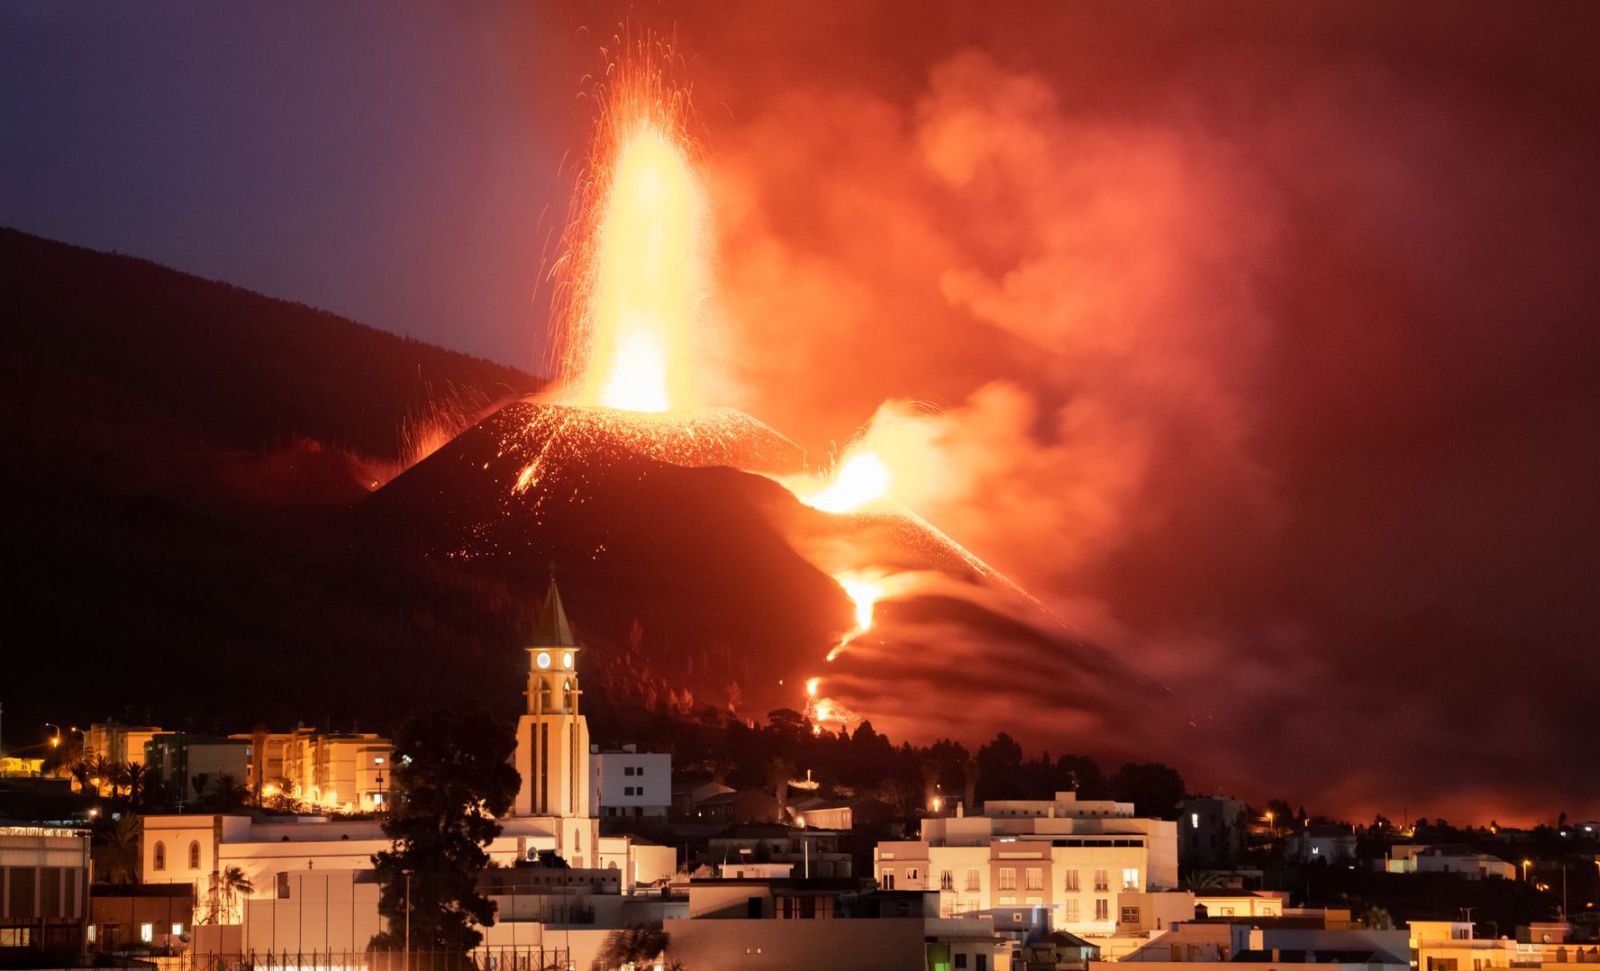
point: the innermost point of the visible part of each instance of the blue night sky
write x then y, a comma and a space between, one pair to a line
404, 171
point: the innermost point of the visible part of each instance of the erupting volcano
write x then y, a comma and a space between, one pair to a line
633, 479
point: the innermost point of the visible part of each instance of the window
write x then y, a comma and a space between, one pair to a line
911, 873
1007, 900
1008, 878
888, 880
960, 959
147, 932
158, 858
1071, 885
1072, 912
1035, 901
947, 880
1035, 878
1194, 820
1130, 915
177, 930
1102, 881
194, 854
974, 881
1102, 909
1130, 878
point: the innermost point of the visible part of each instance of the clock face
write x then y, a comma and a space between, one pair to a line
543, 659
566, 659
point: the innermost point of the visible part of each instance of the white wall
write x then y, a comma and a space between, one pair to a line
630, 783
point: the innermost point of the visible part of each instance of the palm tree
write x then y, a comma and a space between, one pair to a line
118, 776
226, 889
119, 845
105, 771
136, 774
81, 773
1202, 880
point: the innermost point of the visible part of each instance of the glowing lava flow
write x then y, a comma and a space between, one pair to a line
864, 594
635, 270
861, 480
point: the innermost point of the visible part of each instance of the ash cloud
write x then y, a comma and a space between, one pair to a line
1257, 341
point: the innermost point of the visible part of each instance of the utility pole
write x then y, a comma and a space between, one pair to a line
408, 921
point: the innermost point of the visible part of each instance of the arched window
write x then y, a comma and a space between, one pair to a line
544, 695
566, 695
194, 854
158, 859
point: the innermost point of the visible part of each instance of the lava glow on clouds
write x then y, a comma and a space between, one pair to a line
637, 327
1230, 356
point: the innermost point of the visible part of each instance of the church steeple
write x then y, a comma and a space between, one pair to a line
553, 737
552, 629
552, 659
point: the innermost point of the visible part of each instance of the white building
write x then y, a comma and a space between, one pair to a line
1225, 946
1324, 842
116, 742
336, 773
178, 762
550, 813
630, 783
1463, 861
1071, 859
44, 894
1211, 830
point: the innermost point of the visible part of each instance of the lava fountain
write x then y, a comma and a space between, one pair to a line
635, 277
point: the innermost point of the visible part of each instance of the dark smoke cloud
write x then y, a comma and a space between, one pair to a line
1260, 341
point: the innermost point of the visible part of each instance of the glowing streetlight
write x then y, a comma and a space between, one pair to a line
1525, 865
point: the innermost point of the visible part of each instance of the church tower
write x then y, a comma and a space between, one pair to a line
553, 737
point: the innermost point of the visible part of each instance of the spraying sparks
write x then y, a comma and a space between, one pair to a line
635, 270
861, 481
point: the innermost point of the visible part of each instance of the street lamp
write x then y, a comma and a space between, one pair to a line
1525, 865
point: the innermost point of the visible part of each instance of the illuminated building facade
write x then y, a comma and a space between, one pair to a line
116, 742
1072, 859
552, 754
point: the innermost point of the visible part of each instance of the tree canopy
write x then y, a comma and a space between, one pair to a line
452, 776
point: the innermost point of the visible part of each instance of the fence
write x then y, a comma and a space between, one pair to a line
479, 959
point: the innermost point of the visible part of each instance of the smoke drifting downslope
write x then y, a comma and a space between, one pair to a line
1256, 342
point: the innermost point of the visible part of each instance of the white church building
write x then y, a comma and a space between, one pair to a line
280, 855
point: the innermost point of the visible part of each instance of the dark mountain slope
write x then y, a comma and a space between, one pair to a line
108, 356
179, 457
